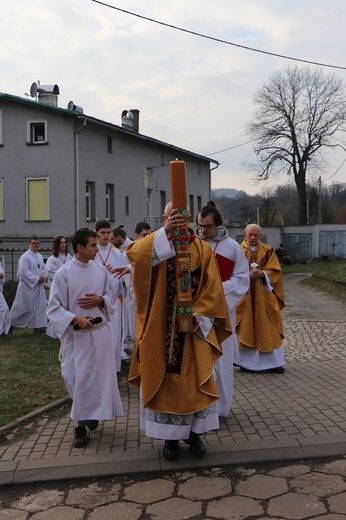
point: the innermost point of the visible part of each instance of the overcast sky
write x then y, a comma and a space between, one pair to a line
192, 92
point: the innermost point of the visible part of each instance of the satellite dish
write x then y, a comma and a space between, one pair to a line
70, 105
33, 90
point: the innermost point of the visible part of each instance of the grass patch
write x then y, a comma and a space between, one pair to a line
328, 277
30, 375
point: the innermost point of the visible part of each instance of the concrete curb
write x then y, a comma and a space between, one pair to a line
35, 413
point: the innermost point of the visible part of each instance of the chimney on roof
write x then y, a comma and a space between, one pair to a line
47, 94
130, 119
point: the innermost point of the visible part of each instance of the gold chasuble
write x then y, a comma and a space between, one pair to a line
174, 369
259, 323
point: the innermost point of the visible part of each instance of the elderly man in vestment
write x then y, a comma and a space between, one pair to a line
174, 370
29, 306
259, 322
83, 290
234, 271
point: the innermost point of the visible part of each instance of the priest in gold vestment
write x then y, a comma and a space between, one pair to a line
259, 322
174, 369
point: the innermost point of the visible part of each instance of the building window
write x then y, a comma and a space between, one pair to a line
109, 144
37, 200
199, 202
127, 206
37, 132
1, 200
110, 202
192, 208
90, 201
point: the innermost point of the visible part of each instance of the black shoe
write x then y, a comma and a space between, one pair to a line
80, 437
171, 450
277, 370
92, 425
197, 447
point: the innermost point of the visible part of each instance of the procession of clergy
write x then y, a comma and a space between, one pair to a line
114, 302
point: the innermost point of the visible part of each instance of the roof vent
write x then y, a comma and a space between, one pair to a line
47, 94
130, 119
127, 120
75, 108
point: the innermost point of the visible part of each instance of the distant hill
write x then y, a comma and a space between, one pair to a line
226, 192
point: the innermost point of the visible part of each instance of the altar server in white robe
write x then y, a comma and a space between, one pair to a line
29, 306
234, 270
4, 311
84, 290
112, 258
59, 257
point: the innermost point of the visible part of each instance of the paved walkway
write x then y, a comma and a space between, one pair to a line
264, 462
296, 415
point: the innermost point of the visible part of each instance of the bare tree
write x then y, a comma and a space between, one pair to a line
299, 113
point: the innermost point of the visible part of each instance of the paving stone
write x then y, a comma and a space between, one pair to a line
93, 495
295, 506
39, 501
234, 508
117, 511
204, 488
174, 509
290, 471
262, 486
319, 484
337, 467
337, 503
13, 514
149, 491
59, 513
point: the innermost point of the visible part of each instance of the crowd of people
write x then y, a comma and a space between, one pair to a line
116, 301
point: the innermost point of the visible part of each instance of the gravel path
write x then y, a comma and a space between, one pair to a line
305, 303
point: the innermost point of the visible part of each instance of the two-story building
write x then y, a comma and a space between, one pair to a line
61, 169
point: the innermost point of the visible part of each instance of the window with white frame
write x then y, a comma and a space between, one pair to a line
37, 132
90, 201
110, 202
37, 198
1, 199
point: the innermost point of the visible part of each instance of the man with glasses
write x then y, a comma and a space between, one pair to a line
29, 306
119, 239
234, 272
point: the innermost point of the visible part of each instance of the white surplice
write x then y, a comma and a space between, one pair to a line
52, 265
109, 255
235, 289
87, 362
29, 306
